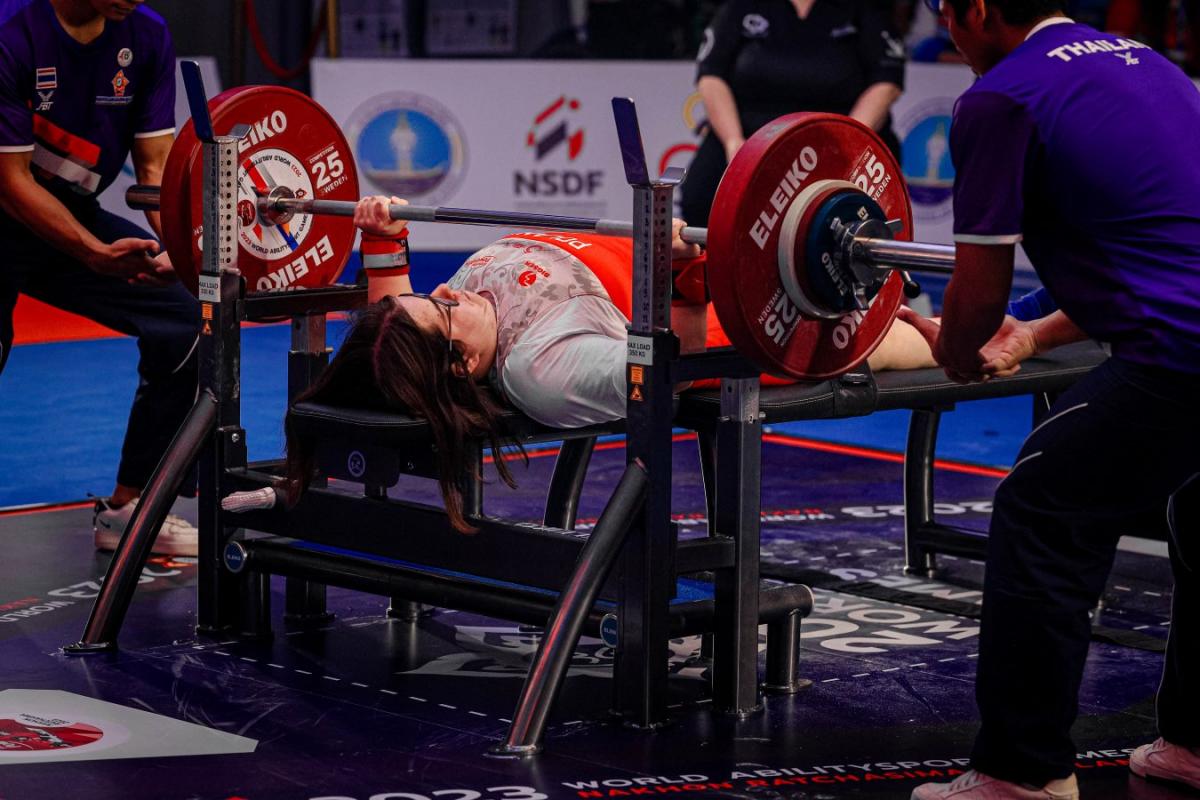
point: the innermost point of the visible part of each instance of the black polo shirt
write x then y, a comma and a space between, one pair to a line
777, 63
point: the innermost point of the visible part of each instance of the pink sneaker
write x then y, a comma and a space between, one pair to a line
972, 785
1167, 762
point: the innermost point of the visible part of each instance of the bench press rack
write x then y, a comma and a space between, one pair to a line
409, 552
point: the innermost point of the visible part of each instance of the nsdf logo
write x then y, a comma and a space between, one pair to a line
925, 158
409, 145
556, 140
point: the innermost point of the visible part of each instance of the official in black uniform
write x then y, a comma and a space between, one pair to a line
761, 59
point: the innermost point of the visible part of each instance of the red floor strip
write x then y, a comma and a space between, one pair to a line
815, 444
41, 508
879, 455
768, 438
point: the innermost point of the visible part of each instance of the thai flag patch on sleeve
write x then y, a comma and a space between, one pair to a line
47, 78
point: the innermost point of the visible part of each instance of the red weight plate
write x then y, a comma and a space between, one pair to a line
766, 175
292, 142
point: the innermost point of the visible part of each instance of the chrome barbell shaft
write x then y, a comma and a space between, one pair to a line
469, 216
882, 253
895, 254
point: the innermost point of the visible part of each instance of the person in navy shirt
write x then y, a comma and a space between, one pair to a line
83, 84
1080, 146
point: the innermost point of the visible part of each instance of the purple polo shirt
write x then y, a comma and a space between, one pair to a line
79, 107
1083, 146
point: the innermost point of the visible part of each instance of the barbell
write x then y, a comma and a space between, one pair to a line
807, 239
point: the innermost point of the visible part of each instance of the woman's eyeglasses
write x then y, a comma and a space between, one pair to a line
443, 304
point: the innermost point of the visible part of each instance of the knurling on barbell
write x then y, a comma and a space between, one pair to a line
779, 307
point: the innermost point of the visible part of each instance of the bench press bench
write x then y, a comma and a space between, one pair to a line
477, 573
408, 552
928, 394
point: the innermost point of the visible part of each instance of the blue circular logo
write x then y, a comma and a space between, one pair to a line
235, 557
609, 630
356, 463
408, 145
925, 157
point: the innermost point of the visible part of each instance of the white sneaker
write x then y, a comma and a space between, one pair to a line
1167, 762
176, 537
972, 785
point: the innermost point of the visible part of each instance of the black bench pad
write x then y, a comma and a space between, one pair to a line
851, 395
854, 394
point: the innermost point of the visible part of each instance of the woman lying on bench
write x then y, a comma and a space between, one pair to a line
539, 318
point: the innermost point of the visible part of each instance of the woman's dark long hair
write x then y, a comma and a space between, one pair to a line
388, 363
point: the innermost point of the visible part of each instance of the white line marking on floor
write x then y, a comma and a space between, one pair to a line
477, 713
860, 675
831, 680
331, 678
418, 699
868, 551
389, 691
1153, 594
276, 666
1122, 588
818, 558
973, 655
221, 652
502, 719
1140, 627
944, 660
791, 561
915, 666
303, 671
359, 685
1146, 547
452, 708
892, 669
251, 660
843, 555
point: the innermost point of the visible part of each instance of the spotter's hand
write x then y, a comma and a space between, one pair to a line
160, 272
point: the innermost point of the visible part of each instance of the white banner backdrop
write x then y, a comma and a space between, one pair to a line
533, 136
479, 134
538, 135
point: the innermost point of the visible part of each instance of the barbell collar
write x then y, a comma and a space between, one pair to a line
893, 254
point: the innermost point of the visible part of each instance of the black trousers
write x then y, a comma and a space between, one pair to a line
164, 320
1103, 464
